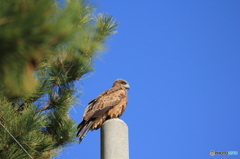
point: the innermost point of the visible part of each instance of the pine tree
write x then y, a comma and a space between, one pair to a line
44, 51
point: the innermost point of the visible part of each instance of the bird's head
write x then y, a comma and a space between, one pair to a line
121, 83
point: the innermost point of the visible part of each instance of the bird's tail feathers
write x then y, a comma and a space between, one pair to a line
83, 128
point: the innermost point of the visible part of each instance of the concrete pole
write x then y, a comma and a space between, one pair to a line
114, 139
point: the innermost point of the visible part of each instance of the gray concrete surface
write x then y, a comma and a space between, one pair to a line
114, 139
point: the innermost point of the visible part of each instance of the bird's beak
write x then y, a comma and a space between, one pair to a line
127, 86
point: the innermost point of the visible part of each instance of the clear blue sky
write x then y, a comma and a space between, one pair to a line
182, 60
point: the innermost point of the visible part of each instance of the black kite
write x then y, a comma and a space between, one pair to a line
109, 104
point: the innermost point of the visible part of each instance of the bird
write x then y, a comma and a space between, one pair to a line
109, 104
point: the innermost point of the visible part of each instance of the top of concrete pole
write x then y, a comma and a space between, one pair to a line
114, 139
115, 120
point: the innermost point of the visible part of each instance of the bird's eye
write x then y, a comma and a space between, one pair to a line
123, 82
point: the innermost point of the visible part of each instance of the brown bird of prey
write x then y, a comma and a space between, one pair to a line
110, 104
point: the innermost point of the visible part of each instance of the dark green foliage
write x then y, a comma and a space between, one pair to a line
44, 51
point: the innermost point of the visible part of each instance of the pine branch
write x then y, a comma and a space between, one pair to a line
53, 51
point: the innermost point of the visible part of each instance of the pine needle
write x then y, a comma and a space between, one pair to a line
16, 141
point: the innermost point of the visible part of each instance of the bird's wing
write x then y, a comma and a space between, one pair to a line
100, 105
